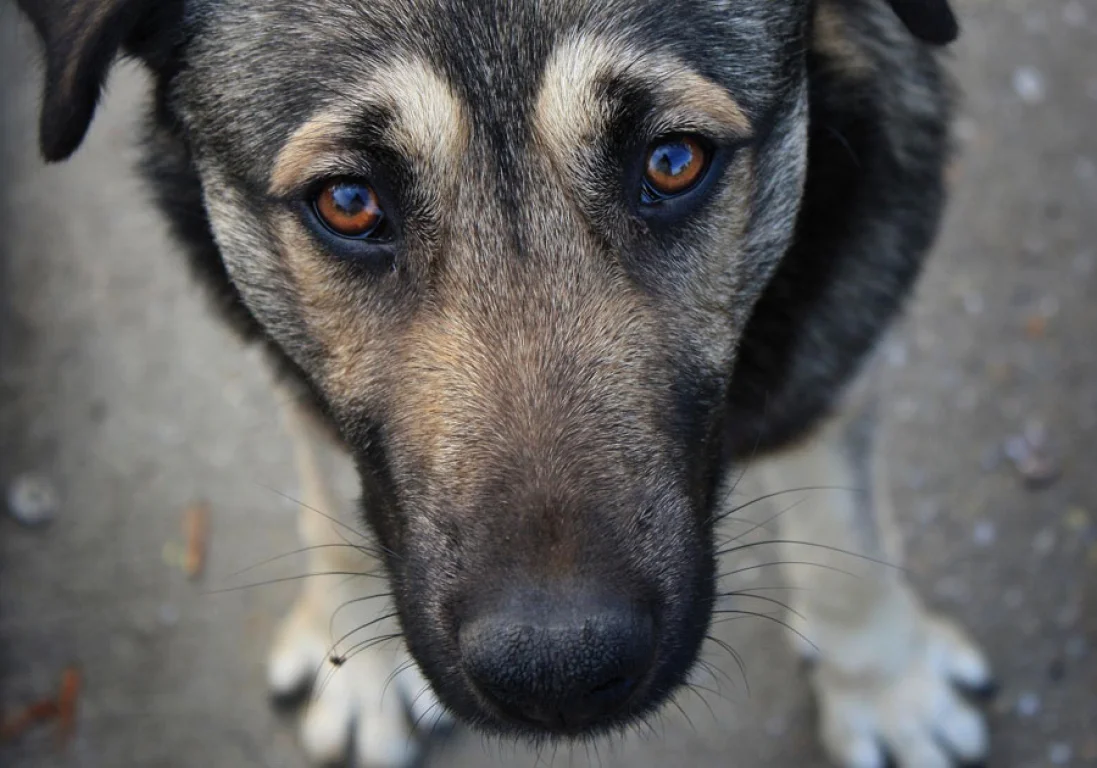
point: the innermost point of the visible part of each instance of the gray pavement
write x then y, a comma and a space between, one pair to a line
118, 387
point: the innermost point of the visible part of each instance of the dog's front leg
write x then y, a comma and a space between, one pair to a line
886, 669
339, 643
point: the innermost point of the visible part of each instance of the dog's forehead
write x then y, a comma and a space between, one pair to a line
293, 59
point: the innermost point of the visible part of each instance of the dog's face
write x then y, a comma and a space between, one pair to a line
514, 245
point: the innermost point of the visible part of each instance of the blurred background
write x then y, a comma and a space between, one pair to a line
123, 405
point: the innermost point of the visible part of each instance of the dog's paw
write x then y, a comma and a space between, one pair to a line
364, 697
917, 715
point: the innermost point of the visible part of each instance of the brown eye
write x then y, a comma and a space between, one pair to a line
673, 166
349, 208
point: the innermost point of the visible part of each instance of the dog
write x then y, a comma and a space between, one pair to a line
551, 272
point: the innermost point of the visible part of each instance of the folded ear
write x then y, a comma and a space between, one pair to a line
82, 39
929, 20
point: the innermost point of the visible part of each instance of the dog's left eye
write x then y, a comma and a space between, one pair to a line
350, 209
674, 165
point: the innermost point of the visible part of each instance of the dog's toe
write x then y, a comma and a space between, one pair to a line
295, 658
366, 699
916, 716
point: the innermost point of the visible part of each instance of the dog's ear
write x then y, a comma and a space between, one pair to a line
929, 20
82, 39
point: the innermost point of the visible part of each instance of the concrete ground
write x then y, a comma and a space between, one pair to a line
119, 390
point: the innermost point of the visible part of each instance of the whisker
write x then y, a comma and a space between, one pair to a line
766, 599
395, 673
331, 654
817, 545
713, 671
280, 580
303, 505
437, 705
775, 494
764, 525
422, 715
735, 656
681, 709
699, 691
770, 617
353, 651
331, 621
299, 551
716, 517
747, 568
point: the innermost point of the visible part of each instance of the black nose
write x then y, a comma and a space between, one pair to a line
563, 659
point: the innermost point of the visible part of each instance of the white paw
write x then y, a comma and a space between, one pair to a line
365, 698
915, 714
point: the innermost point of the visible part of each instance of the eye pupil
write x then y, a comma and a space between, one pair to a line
674, 166
349, 209
671, 159
349, 199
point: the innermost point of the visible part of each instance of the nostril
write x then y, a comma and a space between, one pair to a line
614, 685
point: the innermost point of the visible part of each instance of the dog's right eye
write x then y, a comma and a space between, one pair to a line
349, 208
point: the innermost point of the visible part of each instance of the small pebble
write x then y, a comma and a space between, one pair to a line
1049, 306
1036, 326
1030, 457
1076, 647
967, 399
984, 534
32, 500
991, 459
1076, 519
1056, 670
168, 614
1036, 433
1028, 704
1084, 167
1044, 542
1067, 616
1029, 85
973, 303
1035, 244
1074, 14
1035, 22
1059, 753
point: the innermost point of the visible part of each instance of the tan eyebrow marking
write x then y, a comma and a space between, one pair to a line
569, 111
316, 138
429, 123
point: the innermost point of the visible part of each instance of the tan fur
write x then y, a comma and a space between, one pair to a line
832, 39
338, 315
430, 126
569, 112
305, 150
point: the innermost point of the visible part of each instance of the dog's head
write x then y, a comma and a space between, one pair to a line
514, 245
